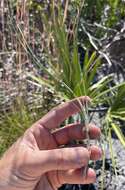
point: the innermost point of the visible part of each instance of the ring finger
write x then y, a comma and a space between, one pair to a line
75, 132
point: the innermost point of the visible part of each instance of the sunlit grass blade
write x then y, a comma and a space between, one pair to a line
119, 133
89, 61
42, 81
109, 90
100, 86
119, 116
93, 70
112, 151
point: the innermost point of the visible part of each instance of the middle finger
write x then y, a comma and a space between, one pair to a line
75, 131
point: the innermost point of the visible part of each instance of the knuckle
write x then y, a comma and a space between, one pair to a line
91, 125
60, 159
83, 156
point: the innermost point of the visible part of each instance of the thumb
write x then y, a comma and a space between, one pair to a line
61, 159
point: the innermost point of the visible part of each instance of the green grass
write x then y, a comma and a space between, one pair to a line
14, 123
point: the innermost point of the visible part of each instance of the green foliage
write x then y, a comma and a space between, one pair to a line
69, 78
104, 12
116, 112
119, 133
118, 105
14, 123
66, 76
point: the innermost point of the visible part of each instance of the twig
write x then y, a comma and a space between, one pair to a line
86, 123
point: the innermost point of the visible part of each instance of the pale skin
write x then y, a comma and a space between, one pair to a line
40, 161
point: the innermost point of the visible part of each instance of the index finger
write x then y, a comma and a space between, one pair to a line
57, 115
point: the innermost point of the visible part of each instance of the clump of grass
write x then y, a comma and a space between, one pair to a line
15, 122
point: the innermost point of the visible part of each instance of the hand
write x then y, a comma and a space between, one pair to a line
39, 160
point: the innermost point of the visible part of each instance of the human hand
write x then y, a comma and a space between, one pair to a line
39, 161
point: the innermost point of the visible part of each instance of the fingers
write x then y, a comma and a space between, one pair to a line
77, 176
61, 159
65, 158
57, 115
95, 153
75, 131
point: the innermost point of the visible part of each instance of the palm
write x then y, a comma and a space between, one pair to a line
45, 141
